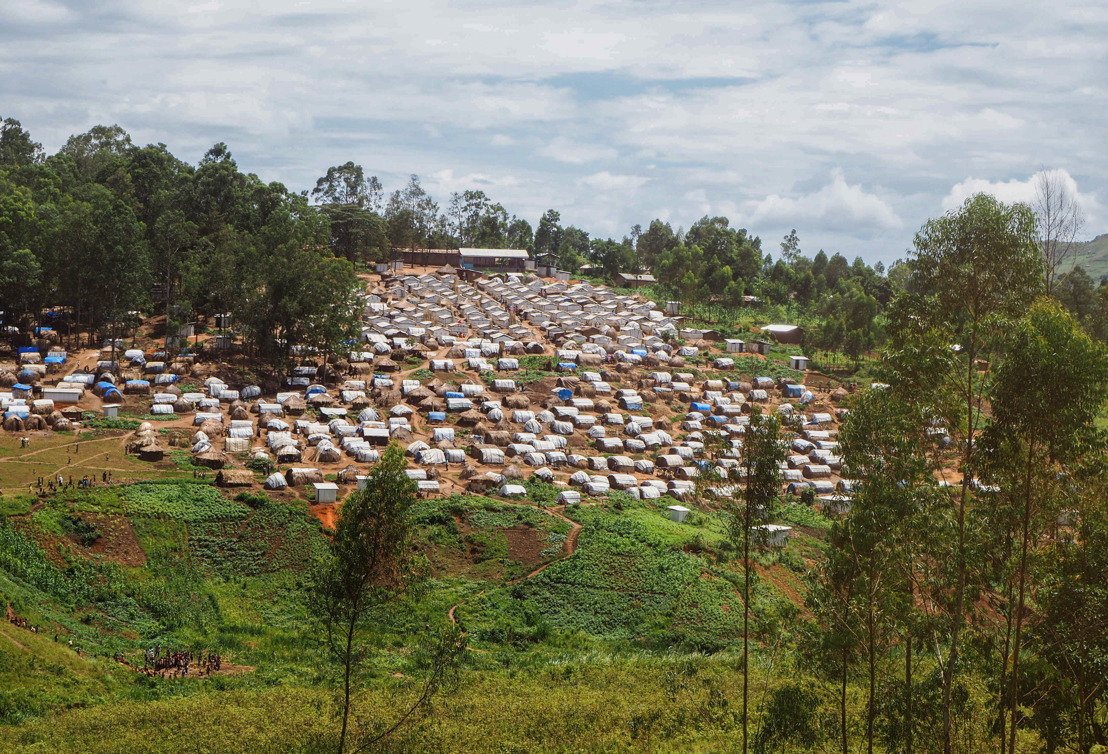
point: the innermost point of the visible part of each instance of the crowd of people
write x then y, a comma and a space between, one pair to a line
176, 663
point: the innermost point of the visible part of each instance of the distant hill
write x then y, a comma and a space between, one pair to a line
1091, 255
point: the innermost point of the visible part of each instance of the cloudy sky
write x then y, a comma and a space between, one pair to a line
851, 121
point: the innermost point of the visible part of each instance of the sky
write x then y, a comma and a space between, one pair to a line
851, 121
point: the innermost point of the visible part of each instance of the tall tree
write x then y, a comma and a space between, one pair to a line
1059, 221
548, 236
347, 185
16, 146
974, 263
369, 565
1038, 433
762, 455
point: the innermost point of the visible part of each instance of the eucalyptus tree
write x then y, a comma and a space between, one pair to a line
970, 267
1045, 397
760, 472
369, 565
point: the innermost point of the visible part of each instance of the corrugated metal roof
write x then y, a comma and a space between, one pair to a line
494, 253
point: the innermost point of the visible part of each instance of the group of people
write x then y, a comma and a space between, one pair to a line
19, 622
59, 483
175, 663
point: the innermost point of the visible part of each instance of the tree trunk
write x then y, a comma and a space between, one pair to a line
746, 617
871, 641
1025, 526
960, 589
842, 705
908, 716
348, 662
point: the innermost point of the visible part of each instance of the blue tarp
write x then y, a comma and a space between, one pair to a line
43, 329
21, 411
54, 360
639, 351
794, 391
28, 349
112, 393
139, 383
453, 394
718, 419
564, 394
21, 386
314, 390
704, 408
567, 365
630, 406
436, 416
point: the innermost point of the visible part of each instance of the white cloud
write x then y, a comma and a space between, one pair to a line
1016, 190
837, 206
605, 181
575, 153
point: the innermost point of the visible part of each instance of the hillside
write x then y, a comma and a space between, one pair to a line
1092, 256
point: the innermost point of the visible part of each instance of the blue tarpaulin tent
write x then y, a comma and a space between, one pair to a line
704, 408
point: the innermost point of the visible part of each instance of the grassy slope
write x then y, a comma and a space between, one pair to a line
1093, 256
226, 576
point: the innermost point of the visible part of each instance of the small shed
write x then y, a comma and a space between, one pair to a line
326, 492
799, 362
678, 513
773, 535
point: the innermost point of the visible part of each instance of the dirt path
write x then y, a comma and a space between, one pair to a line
13, 640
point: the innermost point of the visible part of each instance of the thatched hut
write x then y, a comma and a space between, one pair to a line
13, 424
511, 471
151, 453
432, 403
517, 400
63, 425
419, 394
470, 418
402, 434
8, 379
385, 364
303, 477
240, 413
838, 395
235, 478
211, 460
295, 406
499, 439
34, 423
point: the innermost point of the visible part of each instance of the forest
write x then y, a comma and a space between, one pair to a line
959, 604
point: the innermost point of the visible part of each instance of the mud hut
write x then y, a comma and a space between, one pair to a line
517, 401
211, 460
303, 477
151, 453
235, 478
